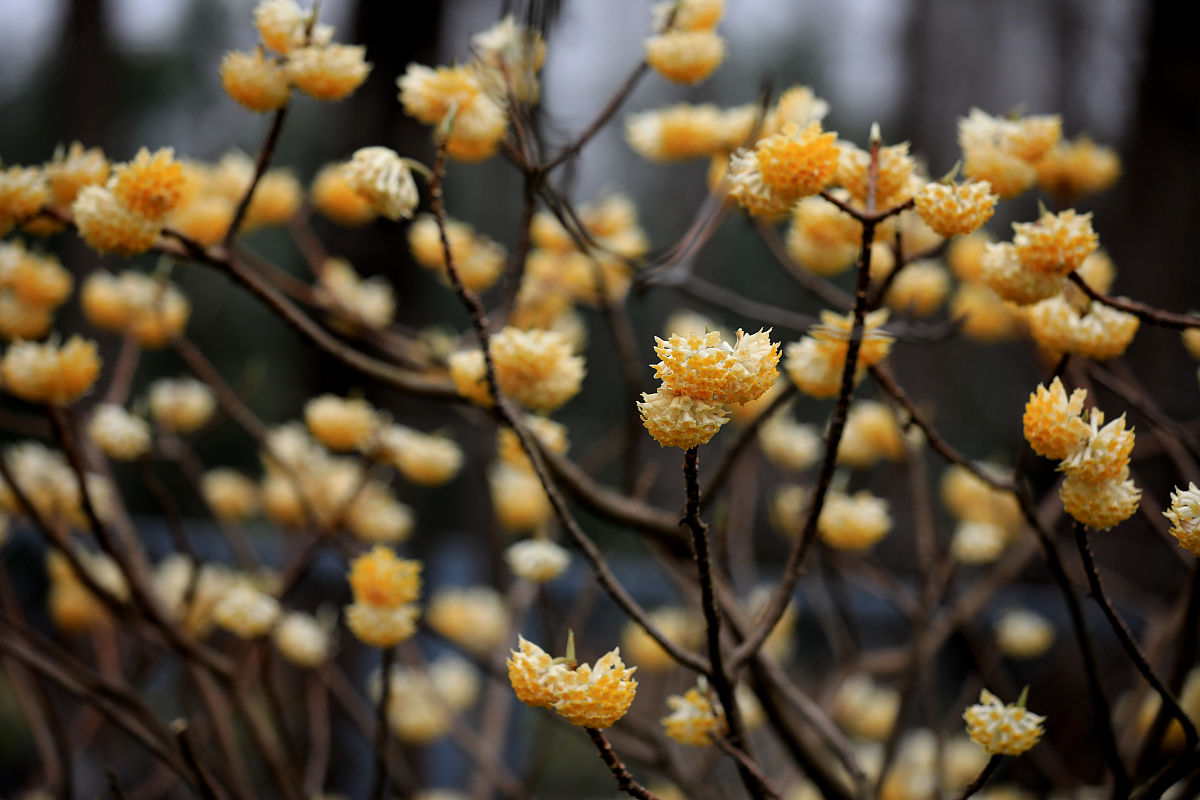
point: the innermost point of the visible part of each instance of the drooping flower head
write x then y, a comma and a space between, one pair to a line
1002, 729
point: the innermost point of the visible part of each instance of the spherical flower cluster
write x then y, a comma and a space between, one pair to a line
1095, 457
23, 192
872, 433
1002, 729
475, 618
385, 180
535, 368
1056, 243
695, 718
1023, 634
182, 405
72, 606
148, 308
342, 423
49, 373
548, 434
255, 80
988, 518
677, 625
190, 594
782, 168
816, 362
821, 238
73, 168
422, 703
853, 522
1053, 423
108, 226
302, 639
978, 542
120, 434
478, 260
866, 709
355, 303
431, 96
423, 458
685, 56
955, 209
1185, 517
1005, 152
375, 515
1100, 333
537, 560
508, 57
1071, 169
332, 194
231, 495
31, 288
328, 72
518, 498
919, 288
385, 590
47, 481
789, 444
677, 133
700, 376
246, 612
590, 696
281, 25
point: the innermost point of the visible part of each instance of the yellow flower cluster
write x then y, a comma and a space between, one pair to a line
787, 443
872, 434
678, 625
537, 560
118, 433
782, 168
50, 486
304, 57
866, 709
1071, 169
332, 194
816, 362
49, 373
821, 238
476, 618
560, 274
182, 405
1100, 332
384, 180
73, 168
385, 589
590, 696
31, 288
853, 522
246, 611
1097, 490
895, 183
1033, 266
1185, 517
478, 260
687, 49
422, 458
150, 309
534, 368
1023, 634
988, 519
518, 498
23, 192
303, 479
696, 717
342, 423
354, 303
73, 608
212, 193
508, 57
232, 496
302, 638
1002, 729
124, 216
701, 375
189, 593
984, 315
422, 703
955, 209
1005, 152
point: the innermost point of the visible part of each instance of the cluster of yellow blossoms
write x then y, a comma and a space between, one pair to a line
1035, 264
385, 588
124, 216
474, 617
559, 273
478, 260
466, 104
47, 481
988, 519
590, 696
696, 716
302, 54
1184, 514
1097, 490
32, 287
48, 372
1023, 634
816, 362
535, 368
1002, 729
150, 309
701, 376
687, 49
422, 703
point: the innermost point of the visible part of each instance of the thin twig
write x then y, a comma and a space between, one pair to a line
626, 88
625, 780
982, 778
379, 781
1142, 311
260, 168
1126, 637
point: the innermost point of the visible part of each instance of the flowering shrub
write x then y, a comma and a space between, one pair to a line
763, 653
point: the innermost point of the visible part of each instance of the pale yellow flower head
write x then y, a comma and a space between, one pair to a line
686, 57
255, 81
696, 716
384, 180
1184, 514
1053, 422
329, 72
1002, 729
49, 373
342, 423
181, 404
120, 434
